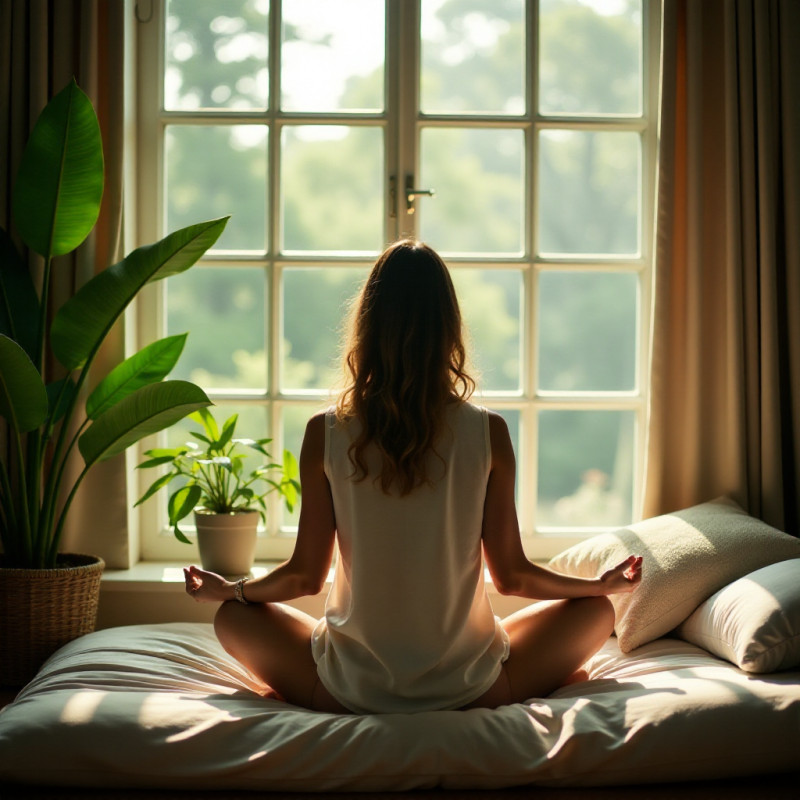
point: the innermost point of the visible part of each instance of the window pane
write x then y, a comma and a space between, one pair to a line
294, 420
332, 188
589, 188
332, 55
478, 176
590, 57
585, 468
473, 57
315, 302
225, 312
587, 331
491, 306
216, 170
216, 54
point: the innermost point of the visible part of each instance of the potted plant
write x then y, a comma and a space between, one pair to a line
53, 407
227, 499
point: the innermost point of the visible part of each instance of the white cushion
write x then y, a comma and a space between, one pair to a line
753, 622
164, 707
688, 555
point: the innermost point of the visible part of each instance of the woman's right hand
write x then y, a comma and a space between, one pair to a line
625, 577
207, 587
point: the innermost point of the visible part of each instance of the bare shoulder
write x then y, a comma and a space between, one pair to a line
317, 421
498, 429
496, 422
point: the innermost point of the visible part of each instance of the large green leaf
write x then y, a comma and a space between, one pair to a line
60, 395
19, 303
150, 365
83, 321
59, 185
148, 410
23, 398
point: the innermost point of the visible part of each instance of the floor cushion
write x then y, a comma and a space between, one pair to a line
163, 706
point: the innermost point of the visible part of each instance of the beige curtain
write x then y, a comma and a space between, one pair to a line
725, 389
43, 44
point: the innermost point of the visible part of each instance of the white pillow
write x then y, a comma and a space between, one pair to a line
688, 555
753, 622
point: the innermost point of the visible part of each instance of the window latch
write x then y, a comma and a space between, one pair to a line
412, 194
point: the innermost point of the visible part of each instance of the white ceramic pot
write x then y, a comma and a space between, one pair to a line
227, 542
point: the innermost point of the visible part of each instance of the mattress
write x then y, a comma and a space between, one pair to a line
163, 706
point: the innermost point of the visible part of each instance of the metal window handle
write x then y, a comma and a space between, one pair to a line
412, 193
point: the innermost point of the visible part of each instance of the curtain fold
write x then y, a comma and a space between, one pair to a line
725, 379
43, 45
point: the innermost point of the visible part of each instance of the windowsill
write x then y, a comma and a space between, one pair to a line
161, 576
168, 576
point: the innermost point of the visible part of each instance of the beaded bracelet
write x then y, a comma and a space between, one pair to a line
238, 591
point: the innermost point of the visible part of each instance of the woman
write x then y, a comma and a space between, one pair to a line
416, 485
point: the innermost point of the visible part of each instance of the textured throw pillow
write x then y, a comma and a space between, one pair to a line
688, 555
753, 622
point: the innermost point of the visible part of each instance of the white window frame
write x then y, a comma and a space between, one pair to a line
401, 153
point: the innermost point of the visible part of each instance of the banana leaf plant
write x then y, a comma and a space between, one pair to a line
51, 410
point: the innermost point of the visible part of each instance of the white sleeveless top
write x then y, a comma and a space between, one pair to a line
408, 625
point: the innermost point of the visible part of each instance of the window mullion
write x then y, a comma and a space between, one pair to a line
273, 158
528, 467
272, 298
405, 113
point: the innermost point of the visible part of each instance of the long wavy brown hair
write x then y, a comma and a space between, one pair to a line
405, 362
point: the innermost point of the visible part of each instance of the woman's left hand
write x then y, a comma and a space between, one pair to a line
625, 577
207, 587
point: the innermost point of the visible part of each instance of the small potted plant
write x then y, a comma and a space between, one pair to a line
226, 498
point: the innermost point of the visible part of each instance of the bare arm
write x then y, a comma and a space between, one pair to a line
508, 565
305, 572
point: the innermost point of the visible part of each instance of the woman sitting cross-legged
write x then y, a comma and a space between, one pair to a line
416, 486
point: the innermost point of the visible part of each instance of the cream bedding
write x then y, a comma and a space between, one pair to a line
164, 706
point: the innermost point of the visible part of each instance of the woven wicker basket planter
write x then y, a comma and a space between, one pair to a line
43, 609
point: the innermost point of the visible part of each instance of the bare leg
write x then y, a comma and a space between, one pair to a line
274, 642
549, 643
